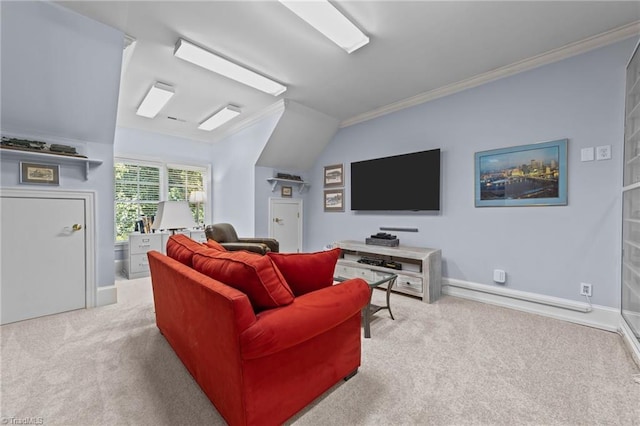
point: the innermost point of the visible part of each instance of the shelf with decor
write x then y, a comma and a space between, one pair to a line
19, 154
300, 183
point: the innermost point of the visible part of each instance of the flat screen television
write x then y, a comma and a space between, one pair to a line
401, 182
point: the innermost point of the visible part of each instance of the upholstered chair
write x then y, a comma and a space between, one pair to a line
225, 234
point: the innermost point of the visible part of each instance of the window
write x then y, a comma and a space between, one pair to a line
137, 193
182, 182
139, 186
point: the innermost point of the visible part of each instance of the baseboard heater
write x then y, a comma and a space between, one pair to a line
519, 295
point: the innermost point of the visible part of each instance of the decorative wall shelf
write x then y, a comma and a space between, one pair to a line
86, 163
275, 181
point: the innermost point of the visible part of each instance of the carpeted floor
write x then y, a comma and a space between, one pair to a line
455, 362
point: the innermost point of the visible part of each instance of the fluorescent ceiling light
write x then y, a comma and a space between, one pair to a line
156, 99
197, 55
219, 118
324, 17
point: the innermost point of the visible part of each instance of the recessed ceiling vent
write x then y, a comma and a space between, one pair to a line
177, 119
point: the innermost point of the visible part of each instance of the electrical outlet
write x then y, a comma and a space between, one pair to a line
585, 289
603, 152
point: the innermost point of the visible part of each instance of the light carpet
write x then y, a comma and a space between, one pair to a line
454, 362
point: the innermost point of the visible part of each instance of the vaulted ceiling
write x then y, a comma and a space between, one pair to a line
416, 49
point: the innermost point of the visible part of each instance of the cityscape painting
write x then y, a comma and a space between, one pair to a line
527, 175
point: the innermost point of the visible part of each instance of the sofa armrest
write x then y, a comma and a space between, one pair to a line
272, 243
252, 247
308, 316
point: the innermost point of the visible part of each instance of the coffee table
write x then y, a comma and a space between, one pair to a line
371, 309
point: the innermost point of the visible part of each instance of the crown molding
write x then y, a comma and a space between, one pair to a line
572, 49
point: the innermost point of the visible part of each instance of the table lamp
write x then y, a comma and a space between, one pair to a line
173, 215
197, 198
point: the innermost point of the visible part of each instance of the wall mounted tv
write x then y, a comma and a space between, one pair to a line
401, 182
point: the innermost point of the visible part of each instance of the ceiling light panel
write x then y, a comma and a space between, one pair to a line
324, 17
219, 118
156, 98
201, 57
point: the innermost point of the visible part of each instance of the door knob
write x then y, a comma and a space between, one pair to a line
76, 227
277, 220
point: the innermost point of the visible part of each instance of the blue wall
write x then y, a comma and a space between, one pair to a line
234, 175
546, 250
60, 82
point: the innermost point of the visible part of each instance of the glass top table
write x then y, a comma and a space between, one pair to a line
371, 309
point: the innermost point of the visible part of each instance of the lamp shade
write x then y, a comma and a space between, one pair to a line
197, 197
173, 215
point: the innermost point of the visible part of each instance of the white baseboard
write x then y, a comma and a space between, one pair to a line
107, 295
601, 317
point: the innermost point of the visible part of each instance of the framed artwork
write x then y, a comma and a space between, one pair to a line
334, 200
526, 175
286, 191
42, 174
334, 175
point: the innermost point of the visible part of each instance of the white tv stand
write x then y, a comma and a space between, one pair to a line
420, 276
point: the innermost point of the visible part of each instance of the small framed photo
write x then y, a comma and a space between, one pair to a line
334, 200
525, 175
42, 174
334, 175
286, 192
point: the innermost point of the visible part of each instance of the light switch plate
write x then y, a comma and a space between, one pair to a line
603, 152
586, 154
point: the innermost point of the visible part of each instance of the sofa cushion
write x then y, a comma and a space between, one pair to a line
181, 248
254, 275
215, 245
307, 272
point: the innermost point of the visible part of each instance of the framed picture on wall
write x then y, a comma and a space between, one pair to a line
334, 175
286, 192
526, 175
42, 174
334, 200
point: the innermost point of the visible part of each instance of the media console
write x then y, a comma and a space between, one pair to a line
420, 275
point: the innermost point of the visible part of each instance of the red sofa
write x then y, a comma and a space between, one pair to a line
258, 365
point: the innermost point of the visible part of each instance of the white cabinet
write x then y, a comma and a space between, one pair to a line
136, 263
198, 235
420, 275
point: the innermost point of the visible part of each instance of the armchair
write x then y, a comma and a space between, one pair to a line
226, 235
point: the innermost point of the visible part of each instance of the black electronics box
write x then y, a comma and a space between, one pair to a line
383, 242
392, 265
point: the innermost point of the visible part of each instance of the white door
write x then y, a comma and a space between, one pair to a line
43, 257
285, 223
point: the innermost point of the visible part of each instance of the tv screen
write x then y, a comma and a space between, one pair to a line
401, 182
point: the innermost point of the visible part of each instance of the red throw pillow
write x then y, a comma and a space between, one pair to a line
307, 272
255, 276
215, 245
181, 248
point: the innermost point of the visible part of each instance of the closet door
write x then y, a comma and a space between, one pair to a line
43, 257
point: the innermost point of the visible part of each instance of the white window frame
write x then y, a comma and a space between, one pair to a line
164, 180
